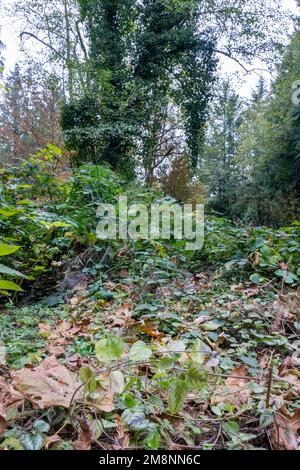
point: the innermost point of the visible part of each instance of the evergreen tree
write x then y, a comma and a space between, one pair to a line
218, 169
270, 144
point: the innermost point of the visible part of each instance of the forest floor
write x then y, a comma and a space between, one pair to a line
190, 360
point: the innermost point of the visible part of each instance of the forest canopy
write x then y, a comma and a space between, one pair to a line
136, 84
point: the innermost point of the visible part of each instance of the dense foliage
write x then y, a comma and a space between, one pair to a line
152, 334
140, 343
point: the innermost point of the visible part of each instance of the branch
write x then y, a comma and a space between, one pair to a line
42, 42
227, 54
81, 40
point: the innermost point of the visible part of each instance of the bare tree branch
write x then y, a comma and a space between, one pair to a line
42, 42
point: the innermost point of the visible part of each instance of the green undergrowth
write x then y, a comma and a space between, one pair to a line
157, 347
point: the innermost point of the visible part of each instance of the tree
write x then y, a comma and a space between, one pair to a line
98, 125
150, 58
269, 151
174, 70
218, 169
29, 116
51, 38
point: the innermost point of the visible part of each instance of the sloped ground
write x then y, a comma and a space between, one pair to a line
153, 356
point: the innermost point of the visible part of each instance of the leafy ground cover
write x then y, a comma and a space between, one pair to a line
142, 345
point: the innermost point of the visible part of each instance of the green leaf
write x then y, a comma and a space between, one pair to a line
218, 411
165, 363
85, 374
129, 400
11, 272
288, 277
266, 419
32, 441
197, 377
135, 418
54, 149
96, 428
140, 352
8, 285
211, 325
11, 443
249, 361
8, 213
41, 426
153, 440
8, 249
87, 377
176, 346
198, 351
255, 278
109, 349
231, 428
105, 294
177, 395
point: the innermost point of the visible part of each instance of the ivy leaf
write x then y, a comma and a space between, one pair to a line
85, 374
32, 441
135, 418
266, 419
11, 443
87, 377
41, 426
288, 277
109, 349
255, 278
140, 352
177, 347
249, 361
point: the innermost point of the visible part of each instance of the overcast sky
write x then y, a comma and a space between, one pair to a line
10, 30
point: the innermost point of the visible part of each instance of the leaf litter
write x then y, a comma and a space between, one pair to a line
194, 352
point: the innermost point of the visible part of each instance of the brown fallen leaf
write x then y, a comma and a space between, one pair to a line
237, 288
103, 398
123, 316
45, 329
123, 273
48, 385
56, 350
60, 336
2, 418
84, 439
291, 377
150, 330
74, 362
286, 309
285, 431
9, 399
236, 390
122, 438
